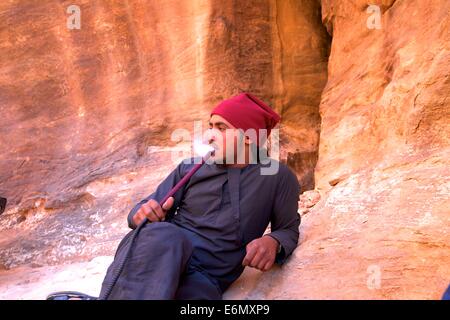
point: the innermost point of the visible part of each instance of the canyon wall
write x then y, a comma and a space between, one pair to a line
382, 227
88, 116
89, 113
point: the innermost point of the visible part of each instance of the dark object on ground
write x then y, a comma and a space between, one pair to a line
2, 204
446, 295
69, 295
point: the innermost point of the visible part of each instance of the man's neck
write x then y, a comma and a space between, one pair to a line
248, 160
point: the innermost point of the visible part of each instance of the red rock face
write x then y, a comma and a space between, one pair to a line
88, 114
381, 228
385, 143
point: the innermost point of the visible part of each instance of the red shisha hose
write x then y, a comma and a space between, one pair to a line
184, 180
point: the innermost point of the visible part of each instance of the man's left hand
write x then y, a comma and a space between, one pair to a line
261, 253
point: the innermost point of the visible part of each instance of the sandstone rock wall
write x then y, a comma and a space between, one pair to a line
87, 117
88, 114
382, 227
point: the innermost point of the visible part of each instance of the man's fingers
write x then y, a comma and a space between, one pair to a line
149, 212
145, 209
262, 263
157, 209
138, 217
153, 211
260, 254
249, 256
168, 204
246, 260
256, 259
268, 265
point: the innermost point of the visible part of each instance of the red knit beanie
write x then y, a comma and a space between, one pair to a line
245, 111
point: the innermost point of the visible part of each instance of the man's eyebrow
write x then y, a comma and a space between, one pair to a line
218, 124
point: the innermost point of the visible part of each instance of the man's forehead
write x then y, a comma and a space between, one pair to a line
216, 119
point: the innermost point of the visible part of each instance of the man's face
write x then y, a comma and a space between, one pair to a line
224, 138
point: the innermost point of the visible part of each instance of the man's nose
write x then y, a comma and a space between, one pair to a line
210, 136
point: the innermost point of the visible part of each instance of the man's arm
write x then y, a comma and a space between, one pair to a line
262, 252
285, 219
160, 192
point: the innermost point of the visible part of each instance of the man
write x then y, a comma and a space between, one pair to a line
201, 239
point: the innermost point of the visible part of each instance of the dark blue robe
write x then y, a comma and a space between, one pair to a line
219, 211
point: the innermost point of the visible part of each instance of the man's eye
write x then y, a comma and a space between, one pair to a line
222, 129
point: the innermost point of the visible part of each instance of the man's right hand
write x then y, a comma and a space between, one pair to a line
153, 211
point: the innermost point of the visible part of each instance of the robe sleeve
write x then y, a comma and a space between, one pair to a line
285, 219
163, 188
